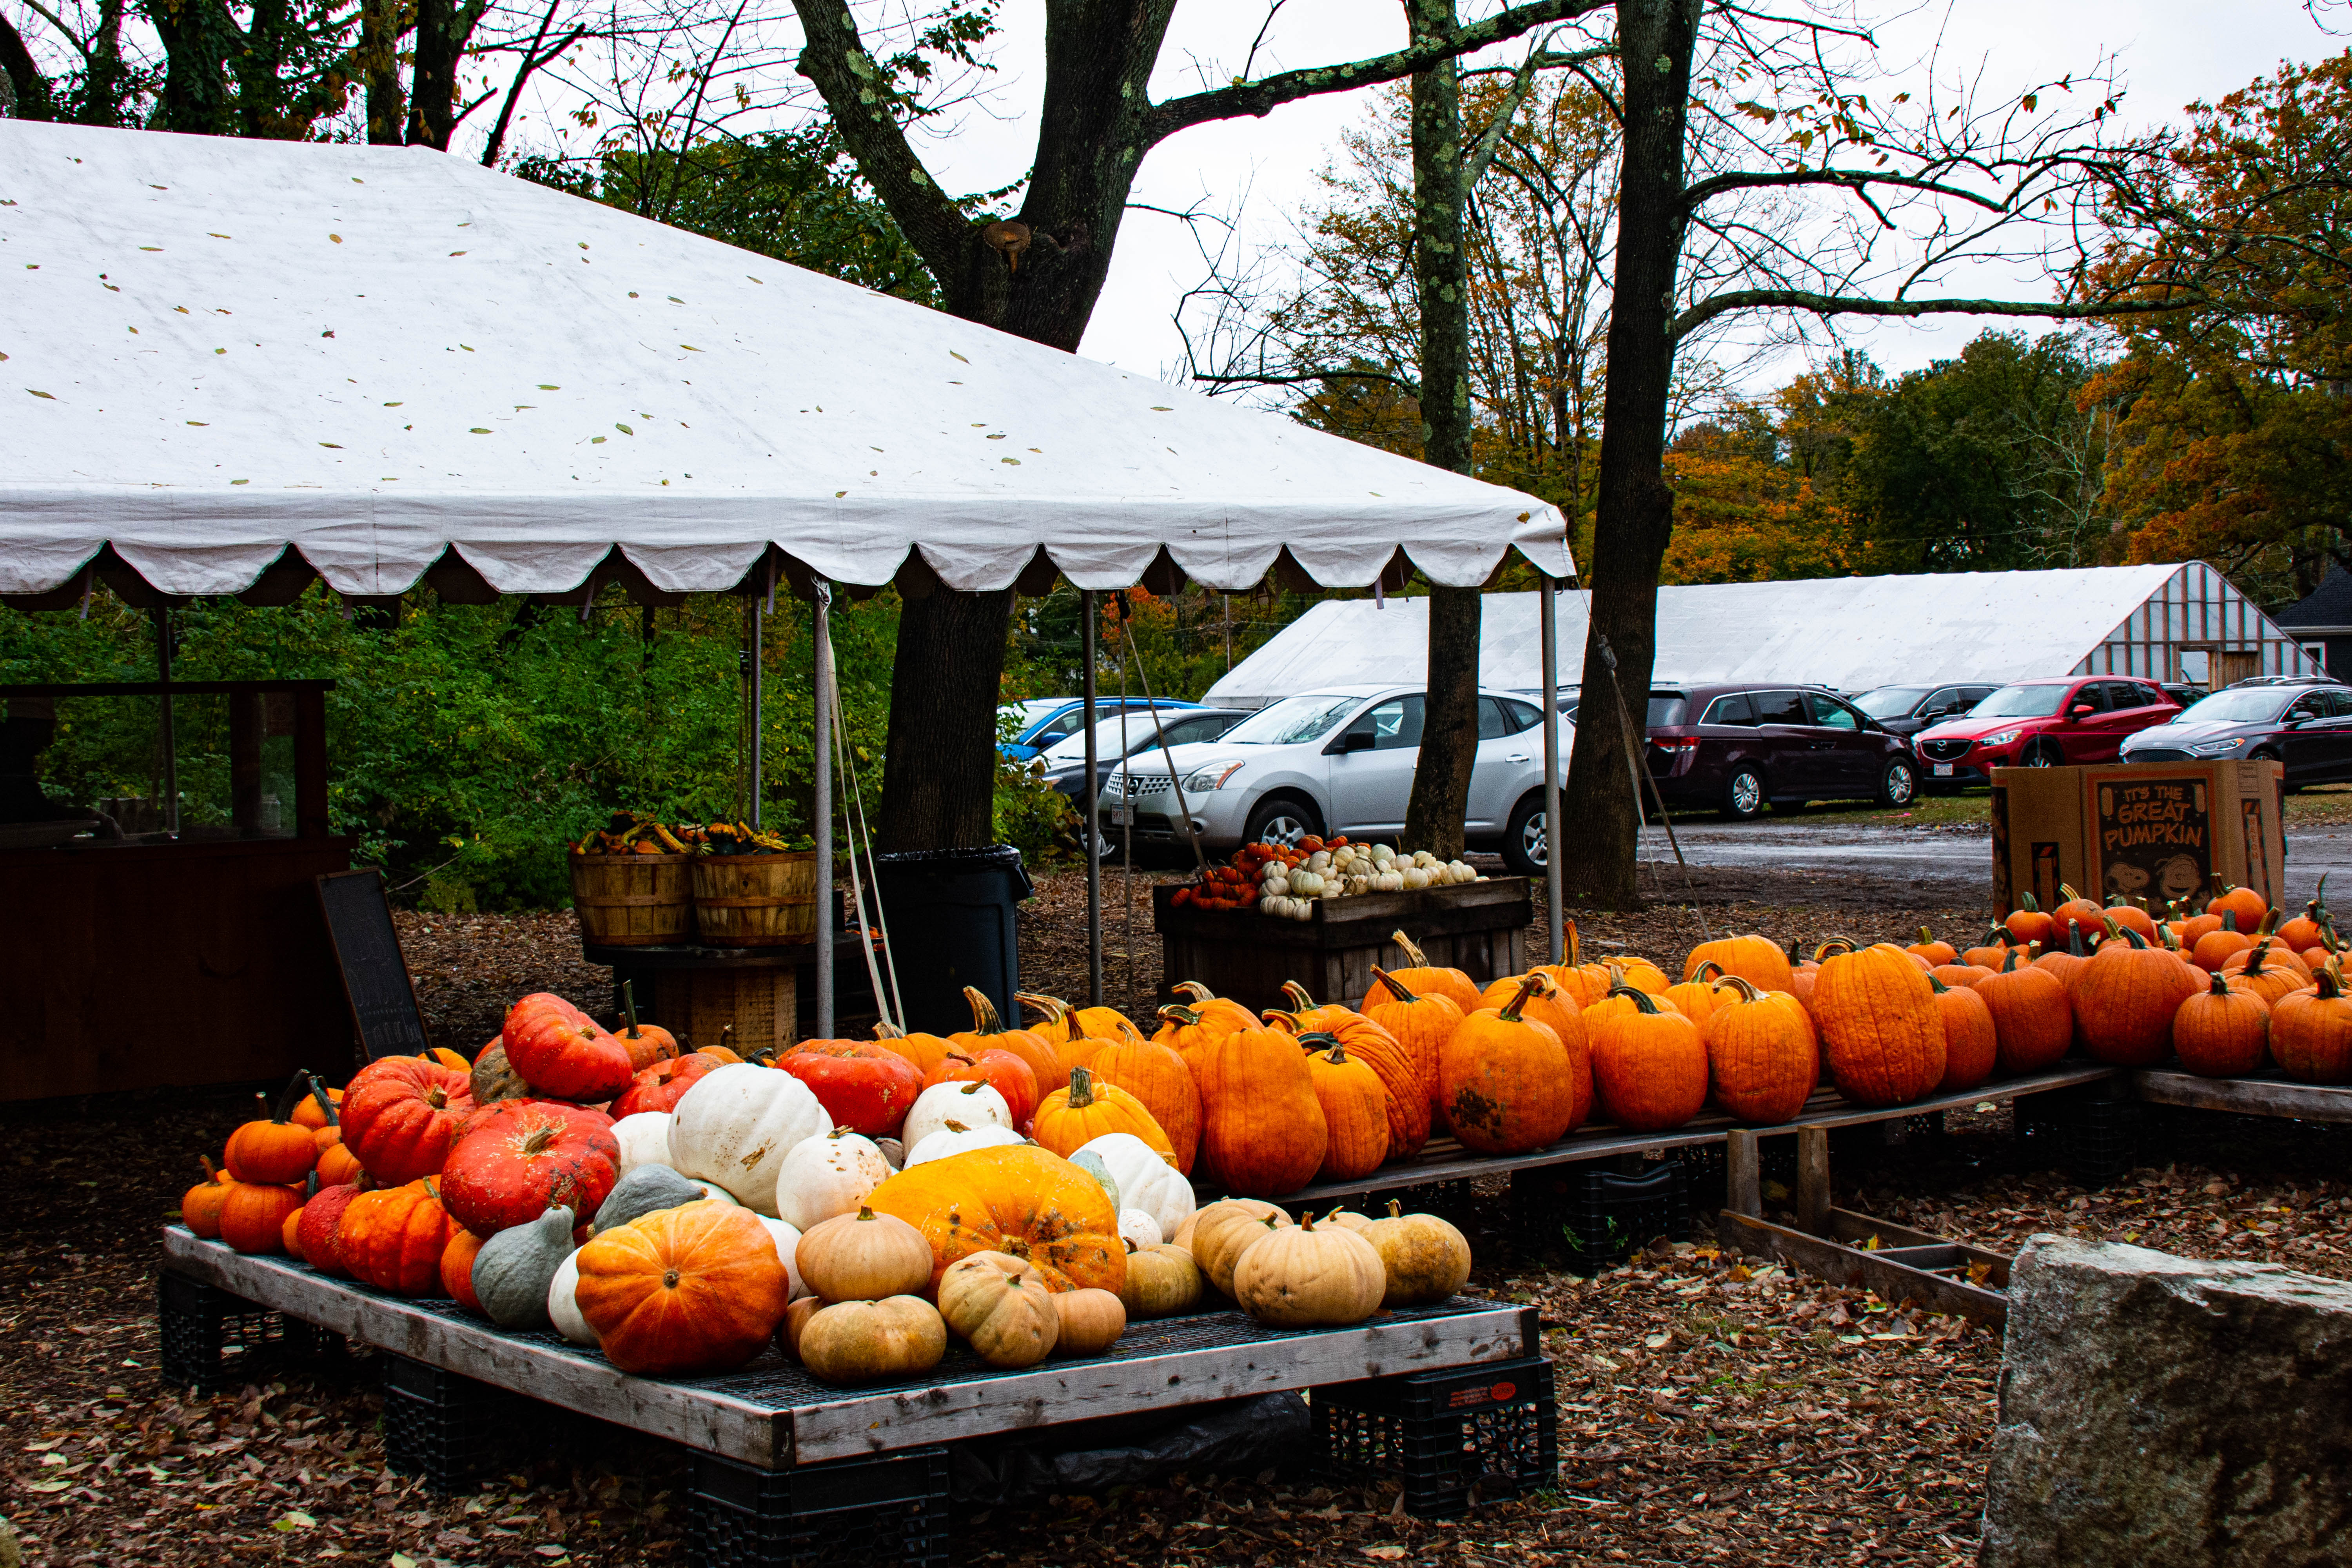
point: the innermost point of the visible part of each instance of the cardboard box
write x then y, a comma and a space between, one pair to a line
2158, 831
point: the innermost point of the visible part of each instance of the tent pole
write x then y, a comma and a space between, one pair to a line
162, 618
758, 630
821, 643
1091, 832
1549, 605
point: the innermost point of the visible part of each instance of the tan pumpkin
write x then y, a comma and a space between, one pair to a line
1002, 1308
1162, 1281
1091, 1322
1358, 1223
864, 1257
870, 1342
1308, 1276
1223, 1231
1425, 1258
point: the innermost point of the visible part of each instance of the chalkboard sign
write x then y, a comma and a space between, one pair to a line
375, 977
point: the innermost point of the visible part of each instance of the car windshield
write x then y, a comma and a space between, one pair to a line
2021, 702
1293, 721
2247, 705
1891, 702
1141, 733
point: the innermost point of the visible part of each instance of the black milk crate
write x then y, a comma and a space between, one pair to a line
892, 1509
438, 1424
2102, 1141
1490, 1429
1610, 1216
213, 1339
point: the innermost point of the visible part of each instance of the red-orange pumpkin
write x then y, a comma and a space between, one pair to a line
401, 1114
560, 1053
522, 1157
1507, 1084
863, 1086
273, 1148
393, 1239
661, 1085
318, 1232
646, 1043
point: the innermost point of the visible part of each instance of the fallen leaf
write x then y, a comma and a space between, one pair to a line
1390, 1554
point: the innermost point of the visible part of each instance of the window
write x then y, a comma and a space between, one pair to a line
2247, 705
1519, 715
2035, 702
1940, 705
1061, 727
1830, 713
1666, 708
1395, 725
1895, 701
2310, 705
1292, 722
1733, 710
2338, 700
1779, 707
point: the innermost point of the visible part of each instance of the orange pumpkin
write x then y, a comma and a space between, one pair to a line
2078, 916
401, 1114
1159, 1078
1355, 1109
2124, 998
2130, 917
1695, 999
1507, 1084
1615, 1005
1069, 1119
1761, 1053
1649, 1067
1755, 959
2268, 974
200, 1206
2222, 1031
646, 1043
683, 1291
1935, 953
1016, 1199
393, 1239
338, 1166
987, 1033
1262, 1128
1219, 1014
458, 1269
1580, 983
1969, 1048
1996, 948
2216, 947
1367, 1042
2249, 906
2311, 1032
2309, 929
926, 1051
1881, 1033
1424, 978
2032, 1020
2030, 923
1419, 1024
1969, 975
274, 1148
253, 1215
316, 1107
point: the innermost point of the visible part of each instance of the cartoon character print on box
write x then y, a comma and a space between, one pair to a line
2155, 837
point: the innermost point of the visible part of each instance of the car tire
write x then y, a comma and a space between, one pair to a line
1285, 816
1743, 795
1524, 847
1899, 785
2041, 754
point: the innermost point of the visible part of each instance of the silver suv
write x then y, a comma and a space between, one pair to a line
1338, 761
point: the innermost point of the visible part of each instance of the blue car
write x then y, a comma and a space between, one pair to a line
1040, 721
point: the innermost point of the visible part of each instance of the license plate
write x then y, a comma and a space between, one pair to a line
1943, 770
1122, 816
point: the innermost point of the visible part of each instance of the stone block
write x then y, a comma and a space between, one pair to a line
2162, 1412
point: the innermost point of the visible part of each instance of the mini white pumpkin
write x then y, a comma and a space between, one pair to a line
1146, 1180
1415, 879
827, 1176
562, 1306
735, 1126
971, 1102
1307, 884
644, 1140
1139, 1227
955, 1138
788, 1246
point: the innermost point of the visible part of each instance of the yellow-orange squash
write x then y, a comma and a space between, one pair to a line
1881, 1034
691, 1290
1070, 1118
1506, 1084
1159, 1078
1649, 1067
1761, 1053
1017, 1199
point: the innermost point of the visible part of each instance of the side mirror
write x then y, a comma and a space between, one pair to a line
2082, 709
1354, 740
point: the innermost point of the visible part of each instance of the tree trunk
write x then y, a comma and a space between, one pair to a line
28, 89
1449, 734
1634, 516
199, 37
939, 781
379, 66
444, 27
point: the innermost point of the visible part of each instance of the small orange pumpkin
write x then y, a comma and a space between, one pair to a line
1935, 953
1970, 1048
1355, 1109
1755, 959
2032, 1020
2223, 1031
1069, 1119
253, 1215
2311, 1032
2124, 998
2030, 923
696, 1288
275, 1148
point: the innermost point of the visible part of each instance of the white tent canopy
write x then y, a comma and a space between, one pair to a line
237, 363
1847, 633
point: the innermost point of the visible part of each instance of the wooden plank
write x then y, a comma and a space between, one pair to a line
1076, 1390
1744, 1173
1894, 1281
576, 1380
2267, 1096
1847, 1226
1813, 1203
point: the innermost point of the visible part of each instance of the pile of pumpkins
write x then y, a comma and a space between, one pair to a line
681, 1209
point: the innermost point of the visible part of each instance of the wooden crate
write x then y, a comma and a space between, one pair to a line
761, 1005
1479, 928
755, 900
633, 901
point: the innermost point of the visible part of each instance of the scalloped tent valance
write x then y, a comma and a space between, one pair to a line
238, 365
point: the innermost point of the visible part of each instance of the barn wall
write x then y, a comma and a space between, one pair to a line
2196, 610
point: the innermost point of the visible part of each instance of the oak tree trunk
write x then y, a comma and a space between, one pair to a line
1449, 735
943, 735
1634, 514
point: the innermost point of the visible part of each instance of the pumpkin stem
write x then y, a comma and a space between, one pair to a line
1188, 1017
1838, 943
326, 1106
1534, 985
983, 1012
297, 1088
2067, 893
1926, 937
1748, 989
888, 1032
629, 1008
1642, 999
2028, 905
1700, 973
1082, 1089
2074, 938
1939, 987
1413, 957
1396, 1209
2127, 933
212, 1172
1396, 987
1299, 1000
2008, 961
725, 1031
864, 1212
1335, 1051
2329, 980
2221, 986
1568, 932
2230, 920
1307, 1221
1052, 1010
2254, 958
1199, 992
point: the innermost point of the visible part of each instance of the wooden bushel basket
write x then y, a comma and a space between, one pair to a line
633, 901
756, 900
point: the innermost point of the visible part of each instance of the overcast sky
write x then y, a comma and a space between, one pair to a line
2173, 52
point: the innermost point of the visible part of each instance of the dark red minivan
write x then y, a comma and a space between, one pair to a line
1736, 747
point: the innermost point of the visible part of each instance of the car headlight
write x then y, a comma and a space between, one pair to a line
1213, 777
2002, 739
2217, 748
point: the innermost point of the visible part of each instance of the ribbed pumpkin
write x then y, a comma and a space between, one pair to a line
1069, 1119
1881, 1033
1355, 1109
1970, 1046
1649, 1068
393, 1239
661, 1085
2078, 916
1057, 1024
274, 1148
1424, 978
1580, 983
2310, 1033
987, 1033
522, 1157
1018, 1199
1159, 1078
253, 1215
200, 1206
1761, 1053
2131, 917
1506, 1084
693, 1290
2124, 998
2249, 906
1001, 1071
1969, 975
2216, 947
1219, 1014
320, 1217
1618, 1003
1755, 959
2223, 1031
1544, 1006
924, 1050
1993, 954
1367, 1042
2030, 923
2307, 928
1419, 1024
1261, 1126
646, 1043
561, 1052
400, 1115
1935, 953
863, 1085
1694, 999
2268, 973
2032, 1020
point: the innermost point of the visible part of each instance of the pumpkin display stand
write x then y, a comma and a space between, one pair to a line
1479, 928
633, 901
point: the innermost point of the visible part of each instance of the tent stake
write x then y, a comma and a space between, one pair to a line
1550, 604
822, 646
1090, 835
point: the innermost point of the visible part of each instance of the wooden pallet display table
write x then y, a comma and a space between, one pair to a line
770, 1444
2271, 1093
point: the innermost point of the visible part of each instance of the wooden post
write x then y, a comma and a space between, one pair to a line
1744, 1189
310, 819
1813, 1180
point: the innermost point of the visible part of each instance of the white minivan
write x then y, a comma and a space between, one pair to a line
1336, 761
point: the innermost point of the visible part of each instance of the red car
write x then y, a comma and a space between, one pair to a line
2065, 721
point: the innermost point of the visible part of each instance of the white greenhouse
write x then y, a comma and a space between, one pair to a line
2183, 621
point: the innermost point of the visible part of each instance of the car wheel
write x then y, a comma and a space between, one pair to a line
1284, 819
1898, 784
1743, 795
2041, 754
1526, 850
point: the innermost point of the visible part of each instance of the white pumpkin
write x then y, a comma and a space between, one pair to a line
563, 1306
1146, 1180
737, 1124
973, 1104
957, 1139
713, 1192
644, 1140
827, 1176
788, 1246
1139, 1227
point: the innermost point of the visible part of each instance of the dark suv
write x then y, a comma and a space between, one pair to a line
1737, 746
2305, 722
1908, 709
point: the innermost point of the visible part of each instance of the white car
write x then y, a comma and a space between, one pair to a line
1338, 760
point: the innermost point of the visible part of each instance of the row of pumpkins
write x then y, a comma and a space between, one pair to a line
727, 1203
